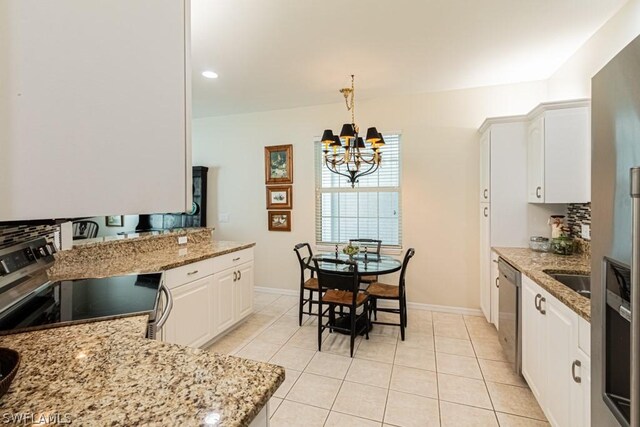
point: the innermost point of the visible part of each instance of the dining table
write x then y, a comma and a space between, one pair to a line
369, 264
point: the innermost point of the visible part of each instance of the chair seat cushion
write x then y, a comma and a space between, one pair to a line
343, 297
381, 290
368, 279
311, 283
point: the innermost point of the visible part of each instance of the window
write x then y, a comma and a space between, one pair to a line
371, 210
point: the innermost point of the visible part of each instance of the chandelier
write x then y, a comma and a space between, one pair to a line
353, 159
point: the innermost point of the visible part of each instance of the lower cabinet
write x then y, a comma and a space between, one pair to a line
190, 322
555, 368
207, 306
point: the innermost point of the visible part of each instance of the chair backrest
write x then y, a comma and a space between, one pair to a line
345, 280
85, 229
301, 257
373, 246
410, 253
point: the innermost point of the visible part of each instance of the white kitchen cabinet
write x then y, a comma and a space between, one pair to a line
553, 364
485, 167
243, 292
503, 202
495, 290
225, 305
559, 153
96, 104
533, 338
191, 320
485, 260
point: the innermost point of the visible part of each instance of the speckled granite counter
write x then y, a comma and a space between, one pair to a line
138, 256
532, 264
107, 373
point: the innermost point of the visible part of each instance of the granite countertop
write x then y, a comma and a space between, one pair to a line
532, 263
107, 373
138, 256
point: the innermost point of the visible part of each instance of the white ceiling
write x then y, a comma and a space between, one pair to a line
274, 54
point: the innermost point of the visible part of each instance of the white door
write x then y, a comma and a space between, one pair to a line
495, 289
559, 351
485, 167
533, 338
243, 291
485, 260
225, 304
190, 320
535, 161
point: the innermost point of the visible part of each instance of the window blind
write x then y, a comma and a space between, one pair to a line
371, 210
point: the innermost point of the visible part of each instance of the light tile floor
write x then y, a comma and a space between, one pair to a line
449, 371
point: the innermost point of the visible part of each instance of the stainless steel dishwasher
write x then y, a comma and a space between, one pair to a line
510, 313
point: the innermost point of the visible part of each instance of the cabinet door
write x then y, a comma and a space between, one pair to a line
535, 161
567, 141
533, 338
485, 167
581, 389
559, 350
485, 260
190, 320
224, 304
495, 291
243, 291
95, 97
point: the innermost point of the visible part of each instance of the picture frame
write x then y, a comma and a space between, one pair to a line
279, 220
114, 221
280, 197
278, 164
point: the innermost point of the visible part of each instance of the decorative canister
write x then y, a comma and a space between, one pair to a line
557, 226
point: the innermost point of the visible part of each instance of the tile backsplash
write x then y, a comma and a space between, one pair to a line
577, 215
12, 234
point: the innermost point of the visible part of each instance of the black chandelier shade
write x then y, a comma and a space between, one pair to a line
348, 132
327, 137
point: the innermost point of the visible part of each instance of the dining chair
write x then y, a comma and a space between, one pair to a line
398, 293
85, 229
341, 289
310, 284
373, 247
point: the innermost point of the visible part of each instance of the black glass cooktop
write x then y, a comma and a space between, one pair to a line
57, 303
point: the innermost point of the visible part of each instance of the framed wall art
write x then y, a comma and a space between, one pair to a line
278, 164
279, 220
279, 197
114, 221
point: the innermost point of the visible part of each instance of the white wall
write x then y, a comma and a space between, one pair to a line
573, 79
439, 180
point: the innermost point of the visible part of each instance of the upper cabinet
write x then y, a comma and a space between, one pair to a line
559, 153
95, 108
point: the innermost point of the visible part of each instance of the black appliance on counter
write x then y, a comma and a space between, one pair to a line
197, 217
29, 300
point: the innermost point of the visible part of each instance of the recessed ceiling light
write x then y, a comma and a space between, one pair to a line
210, 74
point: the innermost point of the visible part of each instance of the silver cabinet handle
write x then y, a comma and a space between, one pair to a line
235, 276
485, 193
236, 259
574, 365
634, 180
167, 309
191, 273
239, 275
497, 284
538, 190
537, 302
486, 212
542, 310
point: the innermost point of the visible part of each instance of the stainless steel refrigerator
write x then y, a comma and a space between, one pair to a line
615, 202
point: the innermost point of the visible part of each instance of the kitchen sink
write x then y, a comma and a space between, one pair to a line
578, 282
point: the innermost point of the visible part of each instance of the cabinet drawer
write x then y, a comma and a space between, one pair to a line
232, 259
188, 273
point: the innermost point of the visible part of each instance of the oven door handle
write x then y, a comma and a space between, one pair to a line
635, 296
167, 310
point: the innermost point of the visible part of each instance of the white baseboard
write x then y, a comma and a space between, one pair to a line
412, 305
